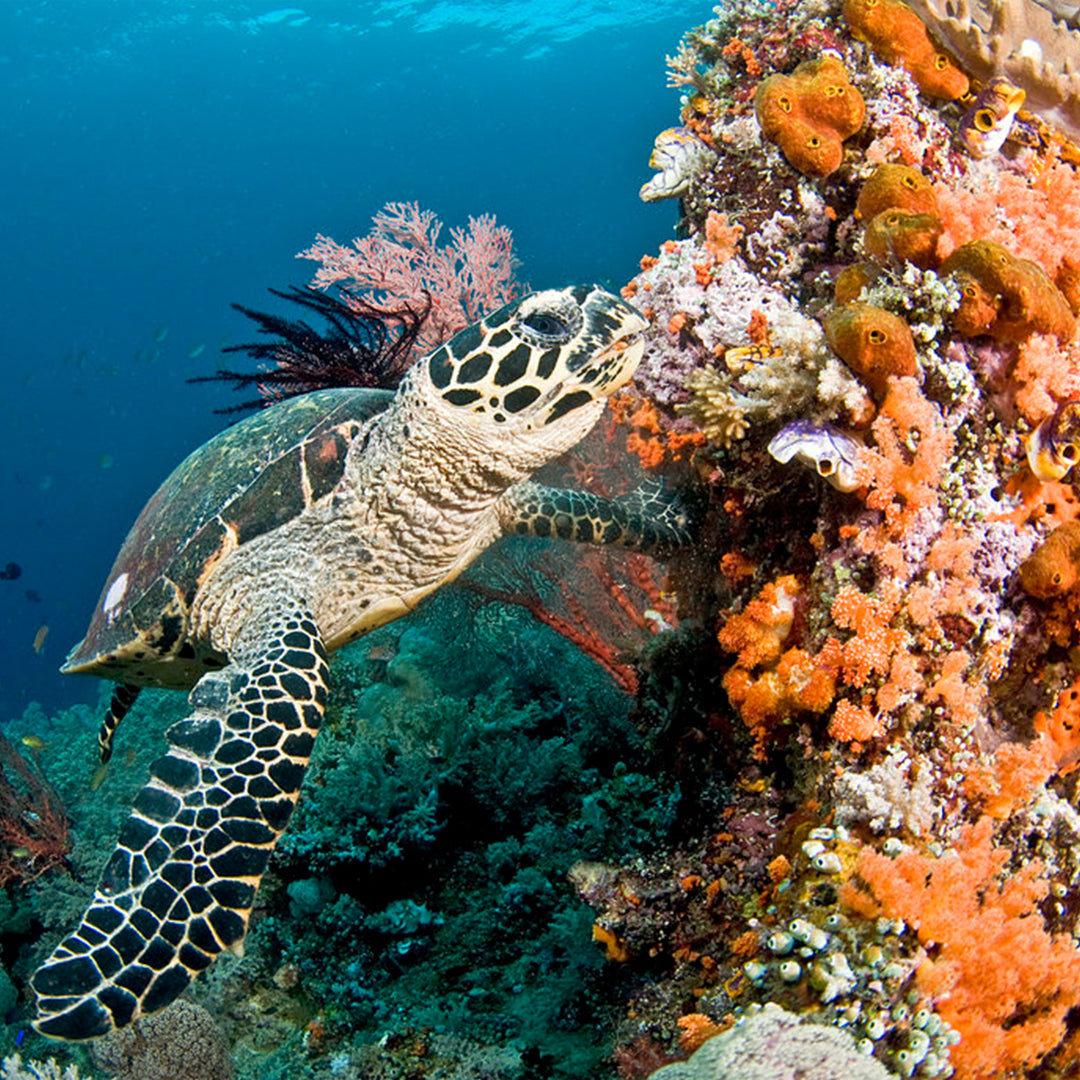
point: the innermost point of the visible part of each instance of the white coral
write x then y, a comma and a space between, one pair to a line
773, 1044
886, 797
14, 1069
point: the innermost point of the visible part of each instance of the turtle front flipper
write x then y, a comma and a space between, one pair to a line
648, 520
180, 885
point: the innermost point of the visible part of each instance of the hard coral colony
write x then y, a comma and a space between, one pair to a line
896, 626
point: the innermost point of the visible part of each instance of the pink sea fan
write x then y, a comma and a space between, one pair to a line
400, 263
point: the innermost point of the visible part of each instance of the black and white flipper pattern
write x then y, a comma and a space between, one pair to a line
179, 887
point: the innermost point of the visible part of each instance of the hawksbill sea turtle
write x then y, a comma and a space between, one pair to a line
283, 538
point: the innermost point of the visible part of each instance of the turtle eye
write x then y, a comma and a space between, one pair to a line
548, 320
547, 324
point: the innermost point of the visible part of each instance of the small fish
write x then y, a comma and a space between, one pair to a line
161, 333
10, 572
1053, 448
986, 125
33, 596
98, 777
827, 450
105, 461
742, 358
21, 852
20, 1035
39, 639
33, 742
197, 350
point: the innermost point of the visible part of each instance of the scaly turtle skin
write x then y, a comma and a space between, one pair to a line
283, 538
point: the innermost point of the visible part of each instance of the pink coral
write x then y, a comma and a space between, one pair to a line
400, 262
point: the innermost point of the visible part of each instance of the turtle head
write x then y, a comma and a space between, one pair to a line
540, 368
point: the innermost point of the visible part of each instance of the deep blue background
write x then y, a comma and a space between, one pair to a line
160, 161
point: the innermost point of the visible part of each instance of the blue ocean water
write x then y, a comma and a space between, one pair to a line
163, 159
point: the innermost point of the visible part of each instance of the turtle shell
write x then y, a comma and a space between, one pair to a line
252, 478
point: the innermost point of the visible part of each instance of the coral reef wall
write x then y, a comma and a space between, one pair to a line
864, 346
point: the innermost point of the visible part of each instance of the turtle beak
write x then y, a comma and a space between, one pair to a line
624, 354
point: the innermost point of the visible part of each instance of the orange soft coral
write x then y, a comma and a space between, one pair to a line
809, 113
1003, 296
1015, 773
855, 723
758, 633
899, 37
873, 342
870, 650
903, 472
1036, 215
995, 974
792, 681
649, 438
1045, 376
721, 237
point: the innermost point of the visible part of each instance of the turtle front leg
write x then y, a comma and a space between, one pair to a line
649, 519
180, 885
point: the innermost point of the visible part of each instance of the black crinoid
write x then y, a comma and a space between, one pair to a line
362, 345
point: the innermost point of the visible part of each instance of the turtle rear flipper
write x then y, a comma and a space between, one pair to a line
649, 519
180, 885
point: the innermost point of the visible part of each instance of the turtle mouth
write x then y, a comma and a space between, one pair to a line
621, 359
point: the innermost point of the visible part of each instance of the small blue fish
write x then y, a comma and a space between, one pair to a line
828, 451
19, 1037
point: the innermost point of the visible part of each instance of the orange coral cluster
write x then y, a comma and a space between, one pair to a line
904, 470
648, 438
899, 37
994, 972
810, 113
792, 681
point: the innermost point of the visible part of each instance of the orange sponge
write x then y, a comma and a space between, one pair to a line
1003, 296
809, 113
897, 234
896, 187
873, 342
851, 281
1053, 569
899, 37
